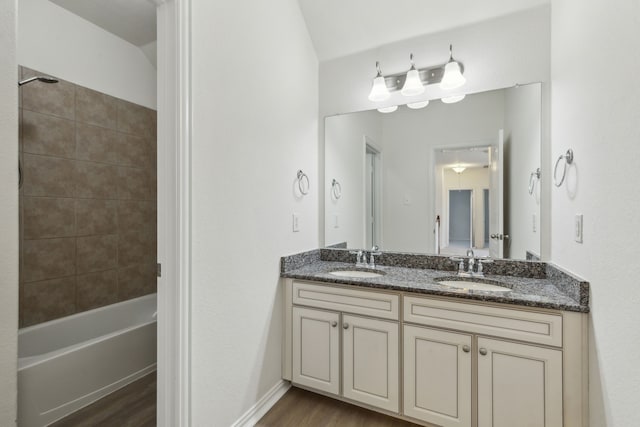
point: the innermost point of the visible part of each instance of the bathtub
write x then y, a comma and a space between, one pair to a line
68, 363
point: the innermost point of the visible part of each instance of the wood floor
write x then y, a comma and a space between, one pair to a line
131, 406
300, 408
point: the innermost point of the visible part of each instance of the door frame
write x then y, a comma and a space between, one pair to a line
369, 145
174, 216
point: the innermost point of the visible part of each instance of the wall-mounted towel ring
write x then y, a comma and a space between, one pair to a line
533, 178
303, 183
568, 159
336, 189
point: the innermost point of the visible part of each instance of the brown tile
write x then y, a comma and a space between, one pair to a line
96, 108
96, 217
134, 151
47, 217
135, 184
47, 300
95, 180
136, 248
42, 134
96, 253
136, 216
97, 290
136, 120
97, 144
48, 259
56, 99
48, 176
136, 280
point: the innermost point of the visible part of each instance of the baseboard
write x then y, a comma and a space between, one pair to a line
262, 406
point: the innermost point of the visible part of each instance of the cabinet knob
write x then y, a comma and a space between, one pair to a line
345, 326
334, 324
483, 351
466, 348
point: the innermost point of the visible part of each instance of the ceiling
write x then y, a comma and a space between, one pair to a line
343, 27
131, 20
476, 157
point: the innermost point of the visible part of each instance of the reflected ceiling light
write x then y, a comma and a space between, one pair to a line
418, 105
458, 169
412, 85
453, 99
379, 91
388, 109
453, 77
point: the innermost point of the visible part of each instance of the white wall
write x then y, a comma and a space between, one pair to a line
55, 41
345, 154
595, 92
255, 123
8, 213
522, 135
409, 138
496, 54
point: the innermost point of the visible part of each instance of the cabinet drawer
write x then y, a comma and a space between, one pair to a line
368, 303
534, 327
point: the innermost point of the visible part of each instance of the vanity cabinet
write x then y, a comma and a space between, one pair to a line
316, 349
437, 361
366, 348
437, 376
518, 384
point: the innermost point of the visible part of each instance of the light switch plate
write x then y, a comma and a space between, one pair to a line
578, 228
534, 222
296, 222
336, 223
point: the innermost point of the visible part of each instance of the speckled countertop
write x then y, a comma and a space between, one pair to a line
533, 284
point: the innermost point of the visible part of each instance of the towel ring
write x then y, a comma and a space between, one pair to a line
302, 177
533, 178
568, 159
336, 189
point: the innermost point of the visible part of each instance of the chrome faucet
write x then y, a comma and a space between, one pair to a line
360, 258
373, 253
472, 260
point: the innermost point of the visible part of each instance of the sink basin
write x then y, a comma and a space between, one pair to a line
473, 286
360, 274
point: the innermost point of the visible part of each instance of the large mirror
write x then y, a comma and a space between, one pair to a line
440, 179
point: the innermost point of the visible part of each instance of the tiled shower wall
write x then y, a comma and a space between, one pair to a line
88, 200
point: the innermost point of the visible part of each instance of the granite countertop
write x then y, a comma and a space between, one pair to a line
547, 286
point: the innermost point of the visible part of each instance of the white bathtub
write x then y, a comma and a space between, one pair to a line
68, 363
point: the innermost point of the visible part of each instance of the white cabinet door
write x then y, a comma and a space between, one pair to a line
519, 385
437, 376
316, 349
370, 361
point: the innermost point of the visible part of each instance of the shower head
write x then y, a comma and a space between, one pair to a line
43, 79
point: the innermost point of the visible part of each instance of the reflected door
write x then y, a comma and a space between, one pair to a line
496, 198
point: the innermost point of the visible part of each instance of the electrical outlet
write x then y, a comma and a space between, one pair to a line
336, 223
578, 228
296, 222
534, 222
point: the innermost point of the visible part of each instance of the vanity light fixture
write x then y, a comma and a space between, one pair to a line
452, 99
418, 105
453, 77
458, 169
412, 84
379, 91
388, 109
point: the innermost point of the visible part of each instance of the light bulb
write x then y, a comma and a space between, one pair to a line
452, 78
388, 109
379, 91
412, 84
453, 99
418, 105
